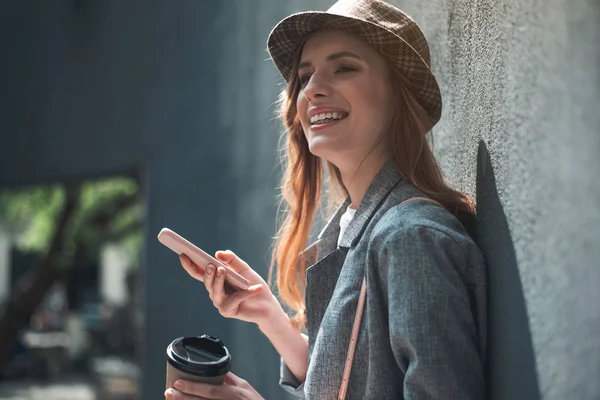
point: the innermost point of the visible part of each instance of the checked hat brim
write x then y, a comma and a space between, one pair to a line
400, 48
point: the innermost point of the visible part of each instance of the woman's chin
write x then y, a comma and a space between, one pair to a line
332, 154
323, 148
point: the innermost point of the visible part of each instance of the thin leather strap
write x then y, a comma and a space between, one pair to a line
353, 339
358, 319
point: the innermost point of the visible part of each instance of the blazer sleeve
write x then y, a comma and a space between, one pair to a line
432, 328
288, 381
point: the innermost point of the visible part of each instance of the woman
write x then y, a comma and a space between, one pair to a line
360, 99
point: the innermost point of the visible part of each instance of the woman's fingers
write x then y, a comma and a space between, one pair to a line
225, 297
218, 286
185, 390
232, 260
174, 394
209, 278
233, 387
230, 305
191, 268
232, 379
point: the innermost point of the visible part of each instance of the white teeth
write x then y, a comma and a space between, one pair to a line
328, 115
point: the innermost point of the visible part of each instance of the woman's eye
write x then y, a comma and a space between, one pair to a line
345, 68
304, 79
342, 68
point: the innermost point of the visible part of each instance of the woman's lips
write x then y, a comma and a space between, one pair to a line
319, 127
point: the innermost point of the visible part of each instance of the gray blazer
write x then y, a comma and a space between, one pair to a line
423, 334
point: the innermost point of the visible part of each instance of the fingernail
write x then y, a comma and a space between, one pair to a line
219, 271
178, 384
210, 268
169, 394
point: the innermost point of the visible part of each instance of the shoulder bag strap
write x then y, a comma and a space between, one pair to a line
358, 319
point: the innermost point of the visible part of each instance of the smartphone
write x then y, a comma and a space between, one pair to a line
182, 246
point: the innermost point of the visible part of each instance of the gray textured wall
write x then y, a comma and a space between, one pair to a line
181, 93
521, 129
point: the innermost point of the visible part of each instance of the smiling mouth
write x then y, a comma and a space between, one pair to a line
324, 118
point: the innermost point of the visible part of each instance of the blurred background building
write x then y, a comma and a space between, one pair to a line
70, 307
180, 96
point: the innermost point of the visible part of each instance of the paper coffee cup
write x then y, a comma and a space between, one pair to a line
198, 358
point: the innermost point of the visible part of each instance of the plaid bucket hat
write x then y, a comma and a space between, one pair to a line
389, 30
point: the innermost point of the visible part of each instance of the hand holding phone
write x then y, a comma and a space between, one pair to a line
182, 246
250, 299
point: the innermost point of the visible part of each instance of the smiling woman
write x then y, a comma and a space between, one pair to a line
354, 84
390, 301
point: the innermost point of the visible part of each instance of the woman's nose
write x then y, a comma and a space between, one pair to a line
316, 87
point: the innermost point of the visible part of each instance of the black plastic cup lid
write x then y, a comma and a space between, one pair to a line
199, 355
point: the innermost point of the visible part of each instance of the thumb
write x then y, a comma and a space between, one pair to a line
232, 260
231, 379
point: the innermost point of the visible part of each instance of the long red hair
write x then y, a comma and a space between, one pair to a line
304, 176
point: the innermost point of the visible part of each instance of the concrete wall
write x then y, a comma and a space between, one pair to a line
181, 94
521, 130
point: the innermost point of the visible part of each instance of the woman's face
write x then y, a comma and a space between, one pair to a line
345, 100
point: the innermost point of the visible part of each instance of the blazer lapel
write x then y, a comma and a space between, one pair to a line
326, 240
383, 183
321, 281
379, 189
